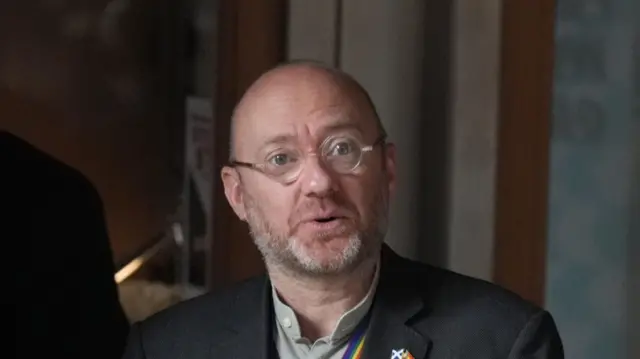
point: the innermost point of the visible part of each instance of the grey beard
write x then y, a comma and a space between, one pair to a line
279, 250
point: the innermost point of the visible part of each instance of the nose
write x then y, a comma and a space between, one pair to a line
316, 179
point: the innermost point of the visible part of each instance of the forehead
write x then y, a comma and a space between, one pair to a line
301, 112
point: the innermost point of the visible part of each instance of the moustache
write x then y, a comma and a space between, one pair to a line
321, 211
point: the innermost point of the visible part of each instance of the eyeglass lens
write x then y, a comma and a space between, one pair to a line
340, 154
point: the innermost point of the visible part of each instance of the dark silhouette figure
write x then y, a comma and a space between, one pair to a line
66, 298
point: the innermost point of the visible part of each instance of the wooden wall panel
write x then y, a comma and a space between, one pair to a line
523, 146
252, 37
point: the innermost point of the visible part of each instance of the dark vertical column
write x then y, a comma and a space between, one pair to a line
251, 39
433, 203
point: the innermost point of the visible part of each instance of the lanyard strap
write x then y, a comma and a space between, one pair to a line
356, 343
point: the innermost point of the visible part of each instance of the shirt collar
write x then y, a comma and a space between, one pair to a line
346, 324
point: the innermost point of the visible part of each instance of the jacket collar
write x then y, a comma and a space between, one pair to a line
249, 332
396, 306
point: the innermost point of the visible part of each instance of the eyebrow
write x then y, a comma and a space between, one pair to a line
342, 124
275, 140
281, 138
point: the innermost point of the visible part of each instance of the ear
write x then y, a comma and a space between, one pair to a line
233, 191
390, 166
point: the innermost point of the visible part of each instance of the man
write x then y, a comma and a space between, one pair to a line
65, 296
312, 175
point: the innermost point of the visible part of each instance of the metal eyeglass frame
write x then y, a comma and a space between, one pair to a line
259, 167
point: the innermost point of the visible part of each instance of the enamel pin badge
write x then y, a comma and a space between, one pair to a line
401, 354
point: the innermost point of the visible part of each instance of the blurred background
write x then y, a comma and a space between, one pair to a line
517, 125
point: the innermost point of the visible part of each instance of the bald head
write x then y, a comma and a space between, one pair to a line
288, 84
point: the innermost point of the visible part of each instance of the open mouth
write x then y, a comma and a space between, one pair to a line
326, 219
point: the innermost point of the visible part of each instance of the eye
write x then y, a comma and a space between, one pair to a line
279, 159
282, 159
341, 147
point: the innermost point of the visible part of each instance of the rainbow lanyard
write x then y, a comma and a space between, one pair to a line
356, 343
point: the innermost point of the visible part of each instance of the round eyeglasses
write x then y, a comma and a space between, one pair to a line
342, 154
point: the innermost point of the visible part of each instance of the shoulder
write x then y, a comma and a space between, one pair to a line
209, 313
32, 169
463, 304
469, 316
40, 188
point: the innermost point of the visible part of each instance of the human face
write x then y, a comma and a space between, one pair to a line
324, 222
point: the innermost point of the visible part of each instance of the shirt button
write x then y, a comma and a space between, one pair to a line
286, 322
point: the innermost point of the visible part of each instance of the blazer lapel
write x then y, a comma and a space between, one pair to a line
394, 306
249, 336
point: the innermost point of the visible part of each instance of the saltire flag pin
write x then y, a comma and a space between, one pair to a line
401, 354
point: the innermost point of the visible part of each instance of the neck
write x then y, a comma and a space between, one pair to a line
319, 302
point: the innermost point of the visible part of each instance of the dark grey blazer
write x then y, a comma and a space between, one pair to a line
431, 312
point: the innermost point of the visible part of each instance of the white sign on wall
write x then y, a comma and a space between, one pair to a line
199, 148
198, 191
